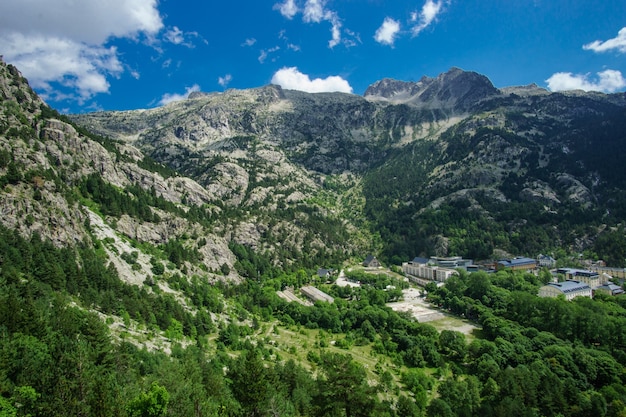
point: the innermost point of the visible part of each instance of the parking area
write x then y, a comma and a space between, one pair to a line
415, 304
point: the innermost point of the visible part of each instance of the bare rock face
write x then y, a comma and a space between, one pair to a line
67, 148
440, 244
231, 183
216, 253
49, 215
105, 232
541, 192
456, 90
469, 196
574, 190
249, 233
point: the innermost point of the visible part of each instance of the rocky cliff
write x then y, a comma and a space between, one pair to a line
72, 187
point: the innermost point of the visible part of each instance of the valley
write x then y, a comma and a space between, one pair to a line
142, 253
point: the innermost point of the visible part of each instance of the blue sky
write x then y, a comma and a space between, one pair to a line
126, 54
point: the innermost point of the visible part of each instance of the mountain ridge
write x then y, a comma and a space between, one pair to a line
251, 153
471, 140
456, 90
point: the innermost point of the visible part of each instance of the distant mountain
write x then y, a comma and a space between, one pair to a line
413, 149
455, 90
447, 165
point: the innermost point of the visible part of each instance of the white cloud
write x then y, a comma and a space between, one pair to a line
249, 42
336, 33
262, 56
607, 81
178, 37
52, 41
314, 11
288, 8
168, 98
77, 66
353, 38
427, 15
292, 79
618, 43
175, 36
225, 80
292, 46
387, 32
92, 22
266, 52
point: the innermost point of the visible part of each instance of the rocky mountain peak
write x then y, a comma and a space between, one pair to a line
525, 90
389, 88
456, 90
16, 94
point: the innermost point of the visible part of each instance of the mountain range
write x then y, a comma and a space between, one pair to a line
444, 166
448, 165
146, 257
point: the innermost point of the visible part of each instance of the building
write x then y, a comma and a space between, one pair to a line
614, 272
420, 271
418, 260
452, 262
569, 289
371, 262
517, 264
325, 273
546, 261
314, 294
609, 289
590, 278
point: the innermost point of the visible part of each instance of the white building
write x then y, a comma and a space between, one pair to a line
590, 278
315, 294
570, 289
418, 271
546, 261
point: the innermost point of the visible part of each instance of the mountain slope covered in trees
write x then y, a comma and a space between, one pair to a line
133, 287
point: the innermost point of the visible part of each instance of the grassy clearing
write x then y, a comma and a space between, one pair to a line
469, 329
297, 343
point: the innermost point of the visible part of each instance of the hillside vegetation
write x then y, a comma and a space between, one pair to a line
141, 253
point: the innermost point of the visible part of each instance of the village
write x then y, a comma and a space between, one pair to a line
569, 283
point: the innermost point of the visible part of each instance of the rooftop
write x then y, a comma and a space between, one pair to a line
570, 286
418, 260
612, 288
577, 272
517, 261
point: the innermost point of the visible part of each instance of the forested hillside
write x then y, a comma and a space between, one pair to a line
536, 357
130, 289
524, 175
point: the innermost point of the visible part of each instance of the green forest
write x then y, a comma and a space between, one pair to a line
532, 357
